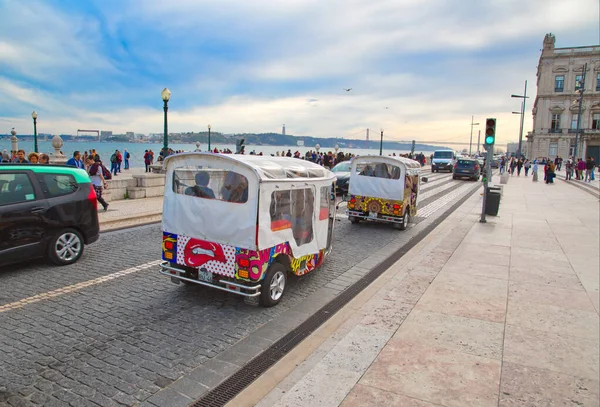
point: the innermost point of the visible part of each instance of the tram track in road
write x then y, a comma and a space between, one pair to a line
128, 336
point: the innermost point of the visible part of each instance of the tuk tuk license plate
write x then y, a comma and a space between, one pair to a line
205, 276
373, 215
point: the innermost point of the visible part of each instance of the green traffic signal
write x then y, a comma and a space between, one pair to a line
490, 132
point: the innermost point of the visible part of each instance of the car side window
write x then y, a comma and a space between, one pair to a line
15, 188
59, 184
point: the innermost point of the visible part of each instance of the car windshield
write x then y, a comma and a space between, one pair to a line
342, 167
443, 154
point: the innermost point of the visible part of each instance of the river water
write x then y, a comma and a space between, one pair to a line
137, 149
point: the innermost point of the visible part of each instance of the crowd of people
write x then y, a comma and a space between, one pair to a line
582, 170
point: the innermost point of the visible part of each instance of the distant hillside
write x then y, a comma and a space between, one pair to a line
275, 139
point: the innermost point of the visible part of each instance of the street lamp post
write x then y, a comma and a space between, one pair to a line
524, 97
471, 139
166, 95
520, 113
209, 138
35, 143
580, 90
381, 144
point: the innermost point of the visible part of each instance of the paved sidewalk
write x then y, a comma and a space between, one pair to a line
497, 314
130, 212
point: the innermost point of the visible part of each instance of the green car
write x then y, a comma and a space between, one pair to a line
46, 211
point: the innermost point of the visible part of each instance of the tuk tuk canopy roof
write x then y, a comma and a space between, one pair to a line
394, 160
267, 168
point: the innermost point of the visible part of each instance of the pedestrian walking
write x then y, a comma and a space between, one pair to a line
96, 173
592, 176
513, 164
147, 160
127, 157
519, 167
589, 168
113, 163
535, 171
527, 166
580, 168
119, 160
551, 173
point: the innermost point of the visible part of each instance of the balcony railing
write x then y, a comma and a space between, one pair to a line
555, 131
559, 89
574, 131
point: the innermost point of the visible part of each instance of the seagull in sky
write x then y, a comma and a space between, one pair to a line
348, 90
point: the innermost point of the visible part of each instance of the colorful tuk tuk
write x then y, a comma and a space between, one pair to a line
240, 223
384, 189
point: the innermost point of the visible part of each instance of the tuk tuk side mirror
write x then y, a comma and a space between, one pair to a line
424, 179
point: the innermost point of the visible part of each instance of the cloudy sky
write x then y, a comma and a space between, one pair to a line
417, 68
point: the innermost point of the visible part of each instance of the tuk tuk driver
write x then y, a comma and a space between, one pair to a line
201, 188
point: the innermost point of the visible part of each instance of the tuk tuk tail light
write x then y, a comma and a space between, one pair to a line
397, 207
244, 263
476, 167
243, 273
169, 245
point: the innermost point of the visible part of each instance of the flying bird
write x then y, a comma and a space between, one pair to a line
348, 90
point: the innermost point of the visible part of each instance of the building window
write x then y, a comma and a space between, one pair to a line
574, 121
598, 81
578, 79
555, 125
559, 83
553, 150
596, 121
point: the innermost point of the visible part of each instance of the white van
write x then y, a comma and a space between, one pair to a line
443, 160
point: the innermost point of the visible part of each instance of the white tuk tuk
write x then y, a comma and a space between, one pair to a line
383, 189
240, 223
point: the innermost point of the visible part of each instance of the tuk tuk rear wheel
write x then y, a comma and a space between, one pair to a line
354, 219
273, 285
405, 220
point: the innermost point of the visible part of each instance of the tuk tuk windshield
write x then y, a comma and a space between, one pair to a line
202, 181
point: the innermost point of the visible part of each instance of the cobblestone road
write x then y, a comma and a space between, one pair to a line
111, 339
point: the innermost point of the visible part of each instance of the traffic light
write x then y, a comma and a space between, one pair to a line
490, 132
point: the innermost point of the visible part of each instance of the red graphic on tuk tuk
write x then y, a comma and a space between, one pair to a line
198, 252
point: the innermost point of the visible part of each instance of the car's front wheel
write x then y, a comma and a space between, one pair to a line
66, 247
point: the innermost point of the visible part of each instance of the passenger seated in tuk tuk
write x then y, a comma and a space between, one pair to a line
235, 188
381, 171
367, 171
201, 188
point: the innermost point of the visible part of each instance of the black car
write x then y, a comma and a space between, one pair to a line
342, 172
466, 168
46, 211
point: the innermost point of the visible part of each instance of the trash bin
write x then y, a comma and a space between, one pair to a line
496, 188
492, 202
504, 178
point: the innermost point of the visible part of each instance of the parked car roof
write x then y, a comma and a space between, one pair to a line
79, 174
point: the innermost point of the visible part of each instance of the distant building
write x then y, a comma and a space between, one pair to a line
130, 135
105, 134
559, 76
283, 130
